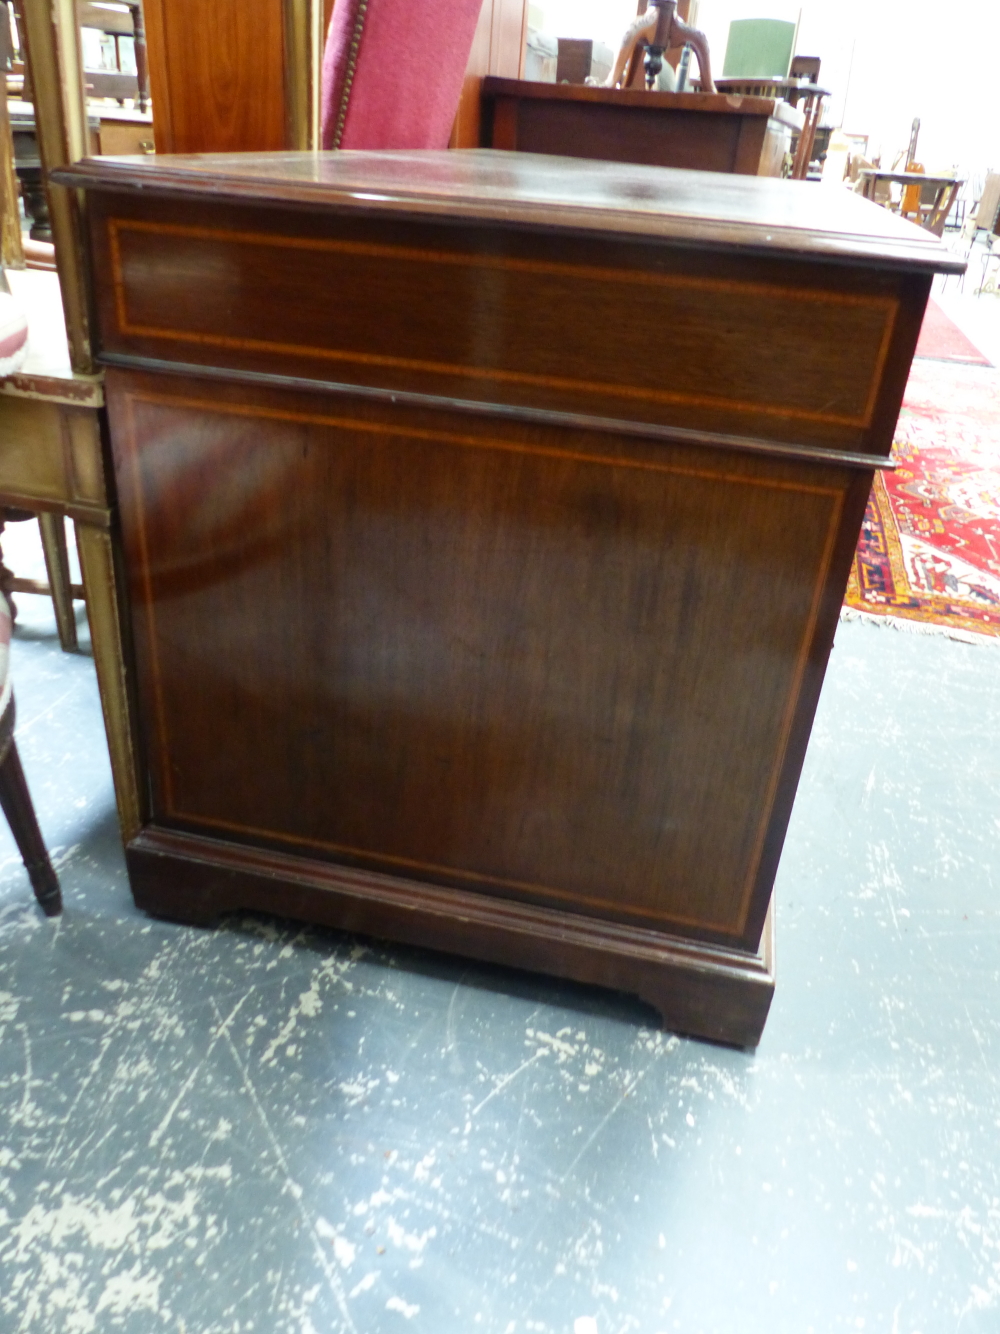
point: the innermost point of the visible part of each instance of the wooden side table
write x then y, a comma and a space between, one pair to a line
932, 216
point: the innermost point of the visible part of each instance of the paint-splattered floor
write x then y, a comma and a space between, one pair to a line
265, 1128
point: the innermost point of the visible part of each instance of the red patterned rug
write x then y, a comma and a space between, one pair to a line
942, 339
930, 545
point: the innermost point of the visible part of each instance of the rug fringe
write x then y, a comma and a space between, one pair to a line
917, 627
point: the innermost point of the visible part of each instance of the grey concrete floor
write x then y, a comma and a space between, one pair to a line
270, 1128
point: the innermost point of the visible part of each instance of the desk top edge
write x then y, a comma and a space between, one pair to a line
522, 189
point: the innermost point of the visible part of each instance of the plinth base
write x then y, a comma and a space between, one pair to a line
703, 990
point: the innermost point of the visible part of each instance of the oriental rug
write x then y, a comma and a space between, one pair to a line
929, 552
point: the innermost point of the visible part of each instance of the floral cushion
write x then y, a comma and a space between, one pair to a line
13, 334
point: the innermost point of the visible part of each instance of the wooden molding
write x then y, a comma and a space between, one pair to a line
803, 453
304, 34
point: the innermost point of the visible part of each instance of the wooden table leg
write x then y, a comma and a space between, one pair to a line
807, 137
53, 530
103, 588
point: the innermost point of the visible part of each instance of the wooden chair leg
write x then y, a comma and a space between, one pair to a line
16, 802
8, 514
53, 530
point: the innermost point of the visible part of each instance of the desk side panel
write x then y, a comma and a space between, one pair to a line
547, 665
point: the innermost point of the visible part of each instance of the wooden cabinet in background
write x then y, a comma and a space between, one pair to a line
746, 135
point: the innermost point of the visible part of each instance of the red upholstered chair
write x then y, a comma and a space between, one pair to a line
393, 70
14, 797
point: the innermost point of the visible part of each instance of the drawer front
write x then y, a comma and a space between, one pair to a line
550, 665
783, 351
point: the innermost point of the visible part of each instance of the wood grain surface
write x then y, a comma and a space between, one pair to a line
216, 74
542, 667
481, 314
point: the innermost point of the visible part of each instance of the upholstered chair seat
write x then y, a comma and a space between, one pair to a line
13, 331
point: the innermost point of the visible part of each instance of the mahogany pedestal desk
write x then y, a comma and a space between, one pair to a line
486, 520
